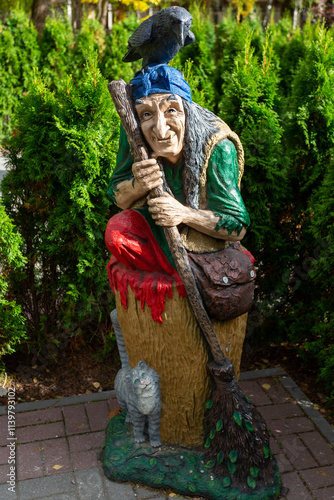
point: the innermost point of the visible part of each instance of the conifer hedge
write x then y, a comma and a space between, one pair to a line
273, 87
62, 156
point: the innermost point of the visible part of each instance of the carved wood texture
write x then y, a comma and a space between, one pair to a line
177, 351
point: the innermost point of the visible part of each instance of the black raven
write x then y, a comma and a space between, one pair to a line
159, 38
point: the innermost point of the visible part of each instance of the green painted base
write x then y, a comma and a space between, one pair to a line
180, 469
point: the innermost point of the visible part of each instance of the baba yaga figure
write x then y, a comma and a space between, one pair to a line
196, 162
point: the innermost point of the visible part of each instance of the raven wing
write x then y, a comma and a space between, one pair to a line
140, 37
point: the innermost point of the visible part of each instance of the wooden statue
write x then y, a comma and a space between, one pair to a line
183, 283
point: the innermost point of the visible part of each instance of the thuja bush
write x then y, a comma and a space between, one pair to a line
112, 66
12, 322
229, 47
57, 45
90, 39
19, 54
201, 54
310, 140
61, 159
249, 103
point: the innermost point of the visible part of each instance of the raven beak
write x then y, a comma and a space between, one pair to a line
181, 35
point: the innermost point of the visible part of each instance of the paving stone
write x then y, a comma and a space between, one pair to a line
283, 463
62, 496
118, 491
29, 461
40, 432
38, 417
87, 441
3, 430
276, 392
75, 419
85, 459
113, 404
33, 489
3, 455
297, 489
297, 452
4, 470
275, 448
90, 484
276, 412
56, 452
319, 478
143, 494
286, 426
255, 393
325, 494
5, 494
319, 447
98, 415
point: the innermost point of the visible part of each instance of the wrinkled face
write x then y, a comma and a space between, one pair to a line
162, 121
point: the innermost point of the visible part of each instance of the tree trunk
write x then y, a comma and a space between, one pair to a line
39, 11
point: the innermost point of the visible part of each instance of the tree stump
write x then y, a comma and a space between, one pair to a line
177, 351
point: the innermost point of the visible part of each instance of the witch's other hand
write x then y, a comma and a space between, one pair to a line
167, 211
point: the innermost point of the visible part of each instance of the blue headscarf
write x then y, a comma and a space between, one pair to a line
160, 79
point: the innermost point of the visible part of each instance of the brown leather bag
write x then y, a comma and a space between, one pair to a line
225, 280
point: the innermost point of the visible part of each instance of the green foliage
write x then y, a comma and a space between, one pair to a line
249, 105
12, 322
57, 45
310, 138
201, 54
112, 66
62, 158
90, 39
19, 54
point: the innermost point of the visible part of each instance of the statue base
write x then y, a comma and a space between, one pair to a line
179, 468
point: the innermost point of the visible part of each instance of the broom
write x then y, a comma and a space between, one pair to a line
237, 439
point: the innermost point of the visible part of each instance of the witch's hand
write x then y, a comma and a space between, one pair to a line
167, 211
147, 175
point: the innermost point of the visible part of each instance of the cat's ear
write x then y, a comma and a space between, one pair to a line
142, 364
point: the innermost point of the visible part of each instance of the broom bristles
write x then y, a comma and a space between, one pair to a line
237, 438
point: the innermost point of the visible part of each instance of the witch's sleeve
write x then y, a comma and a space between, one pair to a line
224, 198
123, 168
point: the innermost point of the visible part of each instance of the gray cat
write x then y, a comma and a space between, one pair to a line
138, 392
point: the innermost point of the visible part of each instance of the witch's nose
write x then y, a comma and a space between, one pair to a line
160, 126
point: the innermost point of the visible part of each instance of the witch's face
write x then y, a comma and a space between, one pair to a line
162, 121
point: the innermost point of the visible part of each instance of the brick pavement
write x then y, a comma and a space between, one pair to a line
58, 449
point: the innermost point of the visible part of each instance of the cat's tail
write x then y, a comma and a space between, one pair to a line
119, 339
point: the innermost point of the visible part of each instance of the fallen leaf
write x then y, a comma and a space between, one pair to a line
96, 385
266, 386
323, 473
47, 370
81, 426
57, 467
34, 367
114, 413
35, 380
